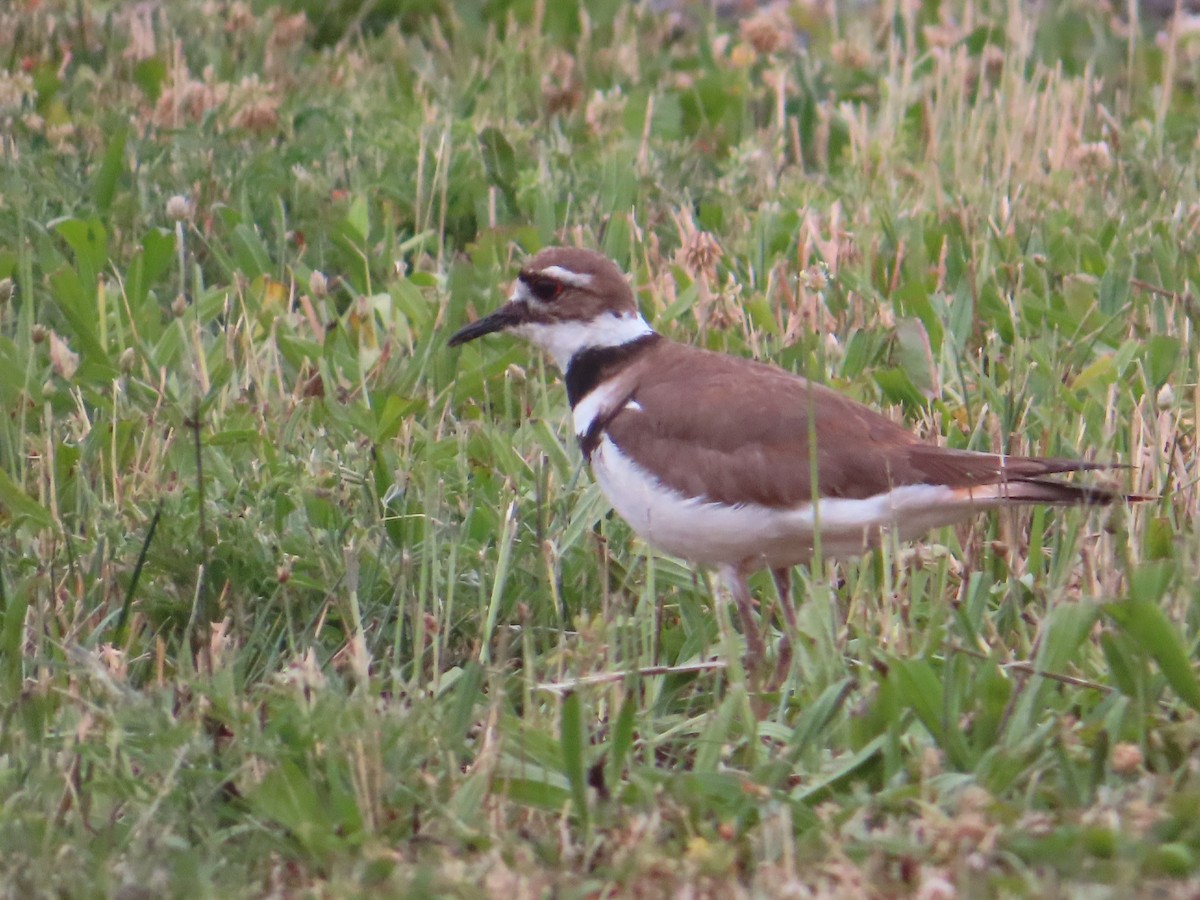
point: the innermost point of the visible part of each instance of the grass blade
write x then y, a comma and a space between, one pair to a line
507, 534
622, 739
123, 618
1153, 632
573, 742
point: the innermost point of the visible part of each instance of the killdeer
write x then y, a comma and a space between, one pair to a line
732, 463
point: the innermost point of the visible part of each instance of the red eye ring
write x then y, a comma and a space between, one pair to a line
545, 289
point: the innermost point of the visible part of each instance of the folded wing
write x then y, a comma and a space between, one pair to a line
749, 433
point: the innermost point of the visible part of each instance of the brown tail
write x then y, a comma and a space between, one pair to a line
992, 478
1047, 490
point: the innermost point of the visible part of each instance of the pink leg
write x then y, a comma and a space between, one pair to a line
735, 580
783, 585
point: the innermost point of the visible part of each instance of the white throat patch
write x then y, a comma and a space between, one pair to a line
562, 340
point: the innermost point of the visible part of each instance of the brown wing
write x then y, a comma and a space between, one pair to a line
741, 434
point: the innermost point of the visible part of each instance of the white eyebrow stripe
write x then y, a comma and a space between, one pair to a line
566, 276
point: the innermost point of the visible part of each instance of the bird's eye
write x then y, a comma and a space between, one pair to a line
545, 289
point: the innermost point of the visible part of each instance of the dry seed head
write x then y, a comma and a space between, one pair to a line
974, 799
190, 100
38, 333
1126, 758
992, 61
289, 31
257, 106
258, 116
936, 886
1095, 156
561, 87
15, 89
701, 253
603, 112
179, 306
850, 54
140, 23
303, 673
60, 136
114, 660
318, 285
767, 31
239, 17
63, 360
179, 208
942, 35
6, 290
815, 278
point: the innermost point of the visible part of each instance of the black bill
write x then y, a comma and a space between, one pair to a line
505, 317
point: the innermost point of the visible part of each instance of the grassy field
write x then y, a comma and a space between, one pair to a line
295, 601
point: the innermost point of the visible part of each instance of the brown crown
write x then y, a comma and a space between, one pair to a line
607, 291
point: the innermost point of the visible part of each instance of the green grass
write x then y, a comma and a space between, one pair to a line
296, 600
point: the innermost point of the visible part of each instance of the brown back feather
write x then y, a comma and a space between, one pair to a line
758, 449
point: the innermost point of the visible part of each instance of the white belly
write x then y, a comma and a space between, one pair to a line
713, 534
